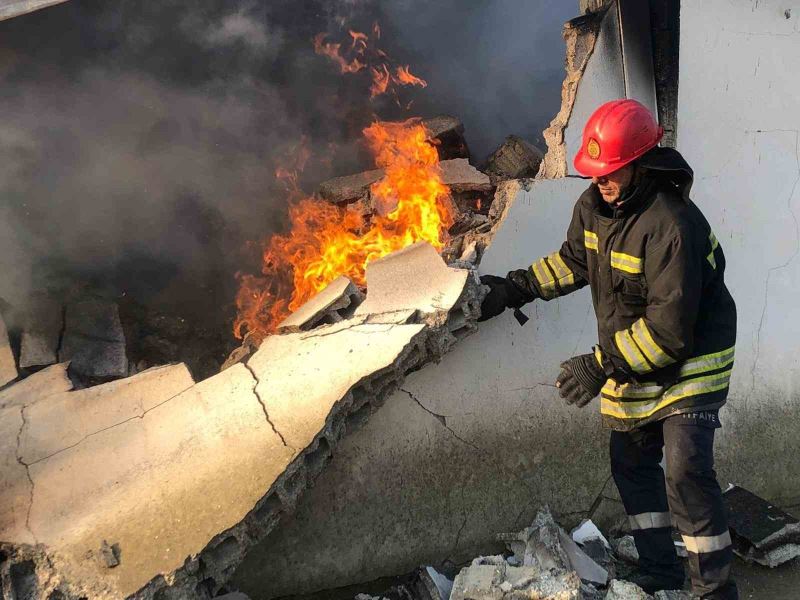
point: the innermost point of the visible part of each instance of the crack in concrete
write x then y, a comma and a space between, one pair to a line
27, 473
786, 263
598, 498
99, 431
264, 407
442, 420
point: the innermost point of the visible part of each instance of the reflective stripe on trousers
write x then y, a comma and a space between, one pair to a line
689, 495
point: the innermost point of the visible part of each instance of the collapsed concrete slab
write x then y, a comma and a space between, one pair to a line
335, 303
42, 384
93, 340
41, 333
185, 478
8, 367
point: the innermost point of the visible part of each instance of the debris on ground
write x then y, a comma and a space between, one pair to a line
625, 548
761, 532
625, 590
547, 546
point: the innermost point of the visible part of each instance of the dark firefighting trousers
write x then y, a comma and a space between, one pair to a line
690, 494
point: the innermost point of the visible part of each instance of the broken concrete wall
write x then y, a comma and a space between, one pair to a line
468, 447
739, 128
153, 486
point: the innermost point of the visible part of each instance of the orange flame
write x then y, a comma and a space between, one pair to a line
385, 77
326, 241
333, 52
405, 77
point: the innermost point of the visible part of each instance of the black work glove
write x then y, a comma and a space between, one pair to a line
580, 380
502, 294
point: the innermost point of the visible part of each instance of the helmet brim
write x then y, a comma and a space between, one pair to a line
591, 167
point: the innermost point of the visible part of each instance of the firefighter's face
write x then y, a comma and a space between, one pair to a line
612, 185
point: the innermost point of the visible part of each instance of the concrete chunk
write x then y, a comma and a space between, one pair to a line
42, 384
347, 189
41, 332
625, 590
514, 159
94, 342
8, 368
762, 532
460, 176
336, 302
545, 546
448, 133
414, 278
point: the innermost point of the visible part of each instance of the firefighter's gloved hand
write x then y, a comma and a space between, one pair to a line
580, 380
502, 294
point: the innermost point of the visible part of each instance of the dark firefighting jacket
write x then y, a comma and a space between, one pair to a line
666, 321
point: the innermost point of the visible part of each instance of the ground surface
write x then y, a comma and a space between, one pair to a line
760, 583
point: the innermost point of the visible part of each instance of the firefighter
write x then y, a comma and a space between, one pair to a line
666, 334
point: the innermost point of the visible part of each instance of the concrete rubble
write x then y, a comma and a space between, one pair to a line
335, 303
761, 532
625, 590
41, 332
93, 339
514, 159
8, 368
625, 548
171, 514
545, 544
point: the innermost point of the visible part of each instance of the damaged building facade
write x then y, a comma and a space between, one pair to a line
196, 487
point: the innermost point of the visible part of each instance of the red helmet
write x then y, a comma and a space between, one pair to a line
617, 133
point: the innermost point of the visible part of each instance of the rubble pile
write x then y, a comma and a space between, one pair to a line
543, 562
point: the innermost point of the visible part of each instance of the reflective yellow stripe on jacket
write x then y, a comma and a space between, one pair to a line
640, 350
639, 401
553, 276
590, 240
626, 262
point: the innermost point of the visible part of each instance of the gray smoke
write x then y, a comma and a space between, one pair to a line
139, 140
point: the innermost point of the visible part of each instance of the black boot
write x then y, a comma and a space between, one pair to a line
652, 582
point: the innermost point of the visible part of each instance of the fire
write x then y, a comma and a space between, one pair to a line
326, 241
361, 54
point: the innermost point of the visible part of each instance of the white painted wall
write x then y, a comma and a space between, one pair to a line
738, 124
603, 80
